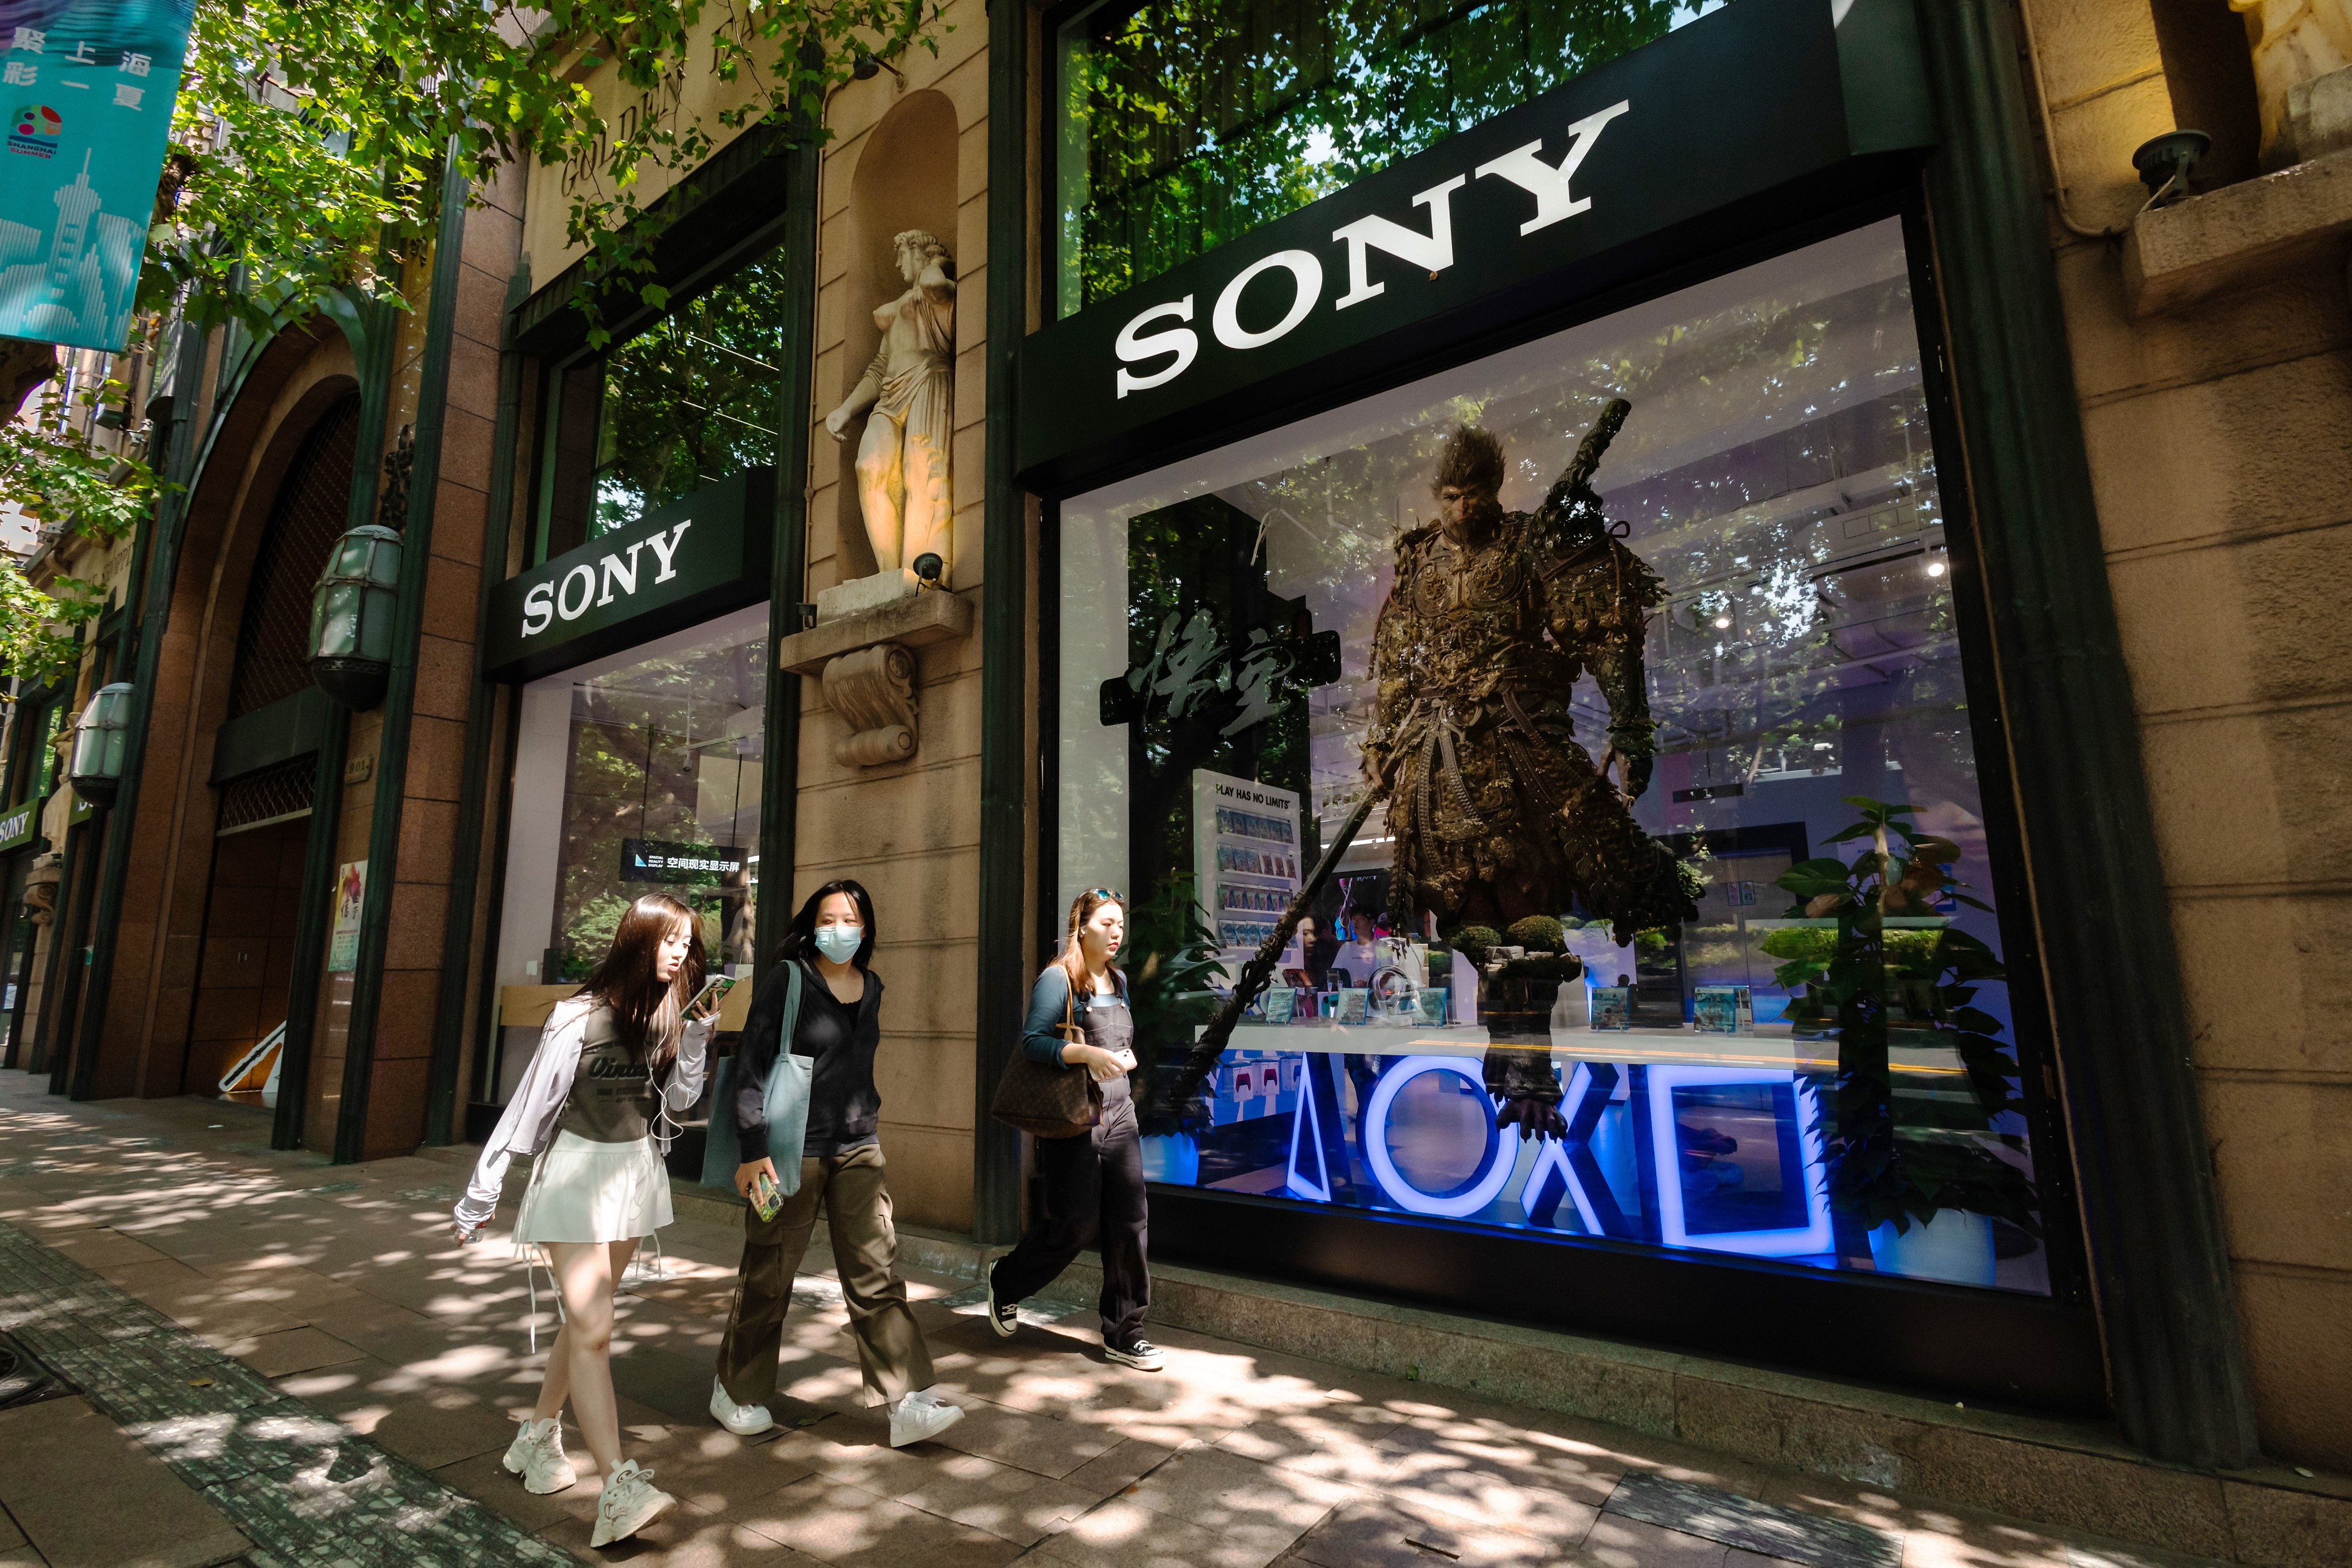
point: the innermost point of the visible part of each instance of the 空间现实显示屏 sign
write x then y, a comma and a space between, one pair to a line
87, 87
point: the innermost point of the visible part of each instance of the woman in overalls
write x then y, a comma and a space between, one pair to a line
1092, 1184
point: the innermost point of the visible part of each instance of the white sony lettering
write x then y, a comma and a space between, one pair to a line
1182, 341
1432, 252
1307, 274
585, 575
614, 572
666, 548
1525, 167
538, 608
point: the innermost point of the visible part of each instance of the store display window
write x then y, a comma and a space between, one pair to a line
637, 774
1635, 651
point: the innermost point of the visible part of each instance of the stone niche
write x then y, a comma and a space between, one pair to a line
861, 649
905, 179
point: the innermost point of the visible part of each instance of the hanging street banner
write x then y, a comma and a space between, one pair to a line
87, 87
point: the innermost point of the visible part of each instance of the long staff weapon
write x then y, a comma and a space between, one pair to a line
1201, 1059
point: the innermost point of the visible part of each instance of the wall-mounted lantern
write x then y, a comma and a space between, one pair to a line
102, 735
351, 612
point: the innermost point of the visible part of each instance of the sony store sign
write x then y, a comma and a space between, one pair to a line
21, 826
1746, 121
677, 565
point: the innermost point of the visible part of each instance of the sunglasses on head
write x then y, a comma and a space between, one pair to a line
1105, 895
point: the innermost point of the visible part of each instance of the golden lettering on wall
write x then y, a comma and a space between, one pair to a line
657, 104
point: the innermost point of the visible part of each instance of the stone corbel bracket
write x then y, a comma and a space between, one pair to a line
866, 663
872, 689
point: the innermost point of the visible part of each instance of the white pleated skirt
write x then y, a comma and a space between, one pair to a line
584, 1191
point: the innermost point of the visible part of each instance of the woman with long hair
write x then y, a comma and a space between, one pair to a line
617, 1059
831, 944
1092, 1184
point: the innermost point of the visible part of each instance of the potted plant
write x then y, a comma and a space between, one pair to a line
1897, 1163
1172, 959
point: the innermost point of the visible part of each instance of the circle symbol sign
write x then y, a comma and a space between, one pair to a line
1494, 1172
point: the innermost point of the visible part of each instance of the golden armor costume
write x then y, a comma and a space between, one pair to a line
1496, 811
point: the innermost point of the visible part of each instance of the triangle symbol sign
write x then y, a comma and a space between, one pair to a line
1306, 1134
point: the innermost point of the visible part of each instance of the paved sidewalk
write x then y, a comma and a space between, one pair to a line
300, 1344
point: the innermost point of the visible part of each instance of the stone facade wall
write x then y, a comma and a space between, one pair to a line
2219, 434
909, 831
413, 968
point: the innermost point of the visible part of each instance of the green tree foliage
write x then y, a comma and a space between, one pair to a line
1189, 122
308, 139
307, 148
51, 470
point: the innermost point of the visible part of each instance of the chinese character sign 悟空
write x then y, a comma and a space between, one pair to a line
89, 86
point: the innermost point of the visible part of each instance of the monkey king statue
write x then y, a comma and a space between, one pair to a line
1496, 812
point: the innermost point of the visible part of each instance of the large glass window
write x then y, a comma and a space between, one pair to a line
688, 402
1760, 1010
634, 775
1185, 123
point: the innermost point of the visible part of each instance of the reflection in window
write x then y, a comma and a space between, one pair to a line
646, 770
689, 401
1776, 473
1185, 123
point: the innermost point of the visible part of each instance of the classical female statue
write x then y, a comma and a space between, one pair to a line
903, 489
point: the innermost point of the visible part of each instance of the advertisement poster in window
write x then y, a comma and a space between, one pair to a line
351, 897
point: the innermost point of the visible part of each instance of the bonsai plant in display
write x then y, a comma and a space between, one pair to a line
1898, 1161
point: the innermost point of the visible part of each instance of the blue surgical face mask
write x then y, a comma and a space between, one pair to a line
839, 944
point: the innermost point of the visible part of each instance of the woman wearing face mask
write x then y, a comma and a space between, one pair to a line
831, 940
1092, 1184
616, 1060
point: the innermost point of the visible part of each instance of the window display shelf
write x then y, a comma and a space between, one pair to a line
1769, 1048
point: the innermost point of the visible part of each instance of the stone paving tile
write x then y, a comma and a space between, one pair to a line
1235, 1458
304, 1349
1013, 1504
69, 1485
1616, 1543
1745, 1523
302, 1489
1122, 1534
1049, 1448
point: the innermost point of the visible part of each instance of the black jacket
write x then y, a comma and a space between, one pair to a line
843, 1106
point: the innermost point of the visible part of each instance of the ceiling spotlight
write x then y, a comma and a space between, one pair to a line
1722, 623
1934, 568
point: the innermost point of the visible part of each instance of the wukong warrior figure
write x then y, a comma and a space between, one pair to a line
1496, 812
903, 487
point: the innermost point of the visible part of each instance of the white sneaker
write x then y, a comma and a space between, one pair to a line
630, 1502
919, 1416
536, 1456
744, 1420
1137, 1353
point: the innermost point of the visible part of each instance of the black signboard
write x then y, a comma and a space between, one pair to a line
1628, 168
671, 862
675, 566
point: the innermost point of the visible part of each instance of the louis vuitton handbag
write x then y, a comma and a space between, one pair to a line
1049, 1101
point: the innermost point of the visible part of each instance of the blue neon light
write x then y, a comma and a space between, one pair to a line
1672, 1227
1494, 1167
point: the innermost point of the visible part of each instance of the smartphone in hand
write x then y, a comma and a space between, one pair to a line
708, 1001
765, 1199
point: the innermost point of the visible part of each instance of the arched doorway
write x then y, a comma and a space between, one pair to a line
264, 771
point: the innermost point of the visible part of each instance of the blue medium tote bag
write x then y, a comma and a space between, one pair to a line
787, 1101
